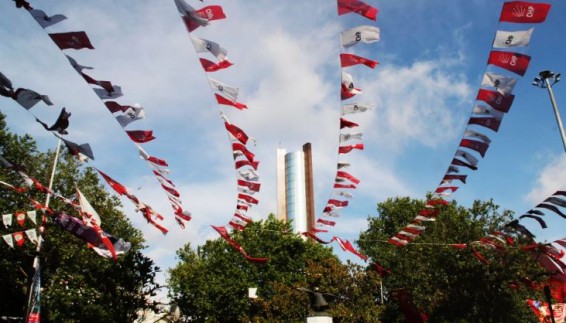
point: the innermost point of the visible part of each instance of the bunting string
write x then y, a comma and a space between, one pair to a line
506, 62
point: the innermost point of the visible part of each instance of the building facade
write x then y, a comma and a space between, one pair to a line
295, 202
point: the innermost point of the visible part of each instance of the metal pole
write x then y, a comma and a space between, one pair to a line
556, 113
36, 260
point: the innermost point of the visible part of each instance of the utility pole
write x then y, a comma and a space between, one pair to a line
545, 80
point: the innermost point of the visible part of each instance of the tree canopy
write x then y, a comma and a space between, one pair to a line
211, 283
448, 284
77, 284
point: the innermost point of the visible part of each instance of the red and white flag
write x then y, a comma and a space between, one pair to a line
361, 8
496, 100
347, 149
196, 18
364, 34
513, 62
524, 12
236, 132
132, 113
238, 147
351, 60
140, 136
467, 156
247, 198
517, 38
210, 66
222, 100
343, 174
480, 147
475, 134
348, 89
251, 185
71, 40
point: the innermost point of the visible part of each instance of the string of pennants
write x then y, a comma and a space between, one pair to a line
226, 95
88, 228
18, 237
124, 114
506, 61
348, 141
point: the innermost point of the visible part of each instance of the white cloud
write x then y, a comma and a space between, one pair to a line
550, 179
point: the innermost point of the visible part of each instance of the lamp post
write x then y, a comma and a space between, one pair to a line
545, 80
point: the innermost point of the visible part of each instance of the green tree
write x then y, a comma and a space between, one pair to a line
77, 284
449, 284
211, 283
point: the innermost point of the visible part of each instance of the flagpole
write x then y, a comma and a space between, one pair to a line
544, 81
36, 259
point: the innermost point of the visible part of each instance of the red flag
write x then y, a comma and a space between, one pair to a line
171, 191
210, 66
115, 107
200, 17
236, 146
241, 207
361, 8
496, 100
347, 149
432, 203
347, 246
243, 217
339, 185
313, 236
459, 162
140, 136
21, 218
479, 146
251, 185
107, 85
347, 124
326, 222
479, 256
488, 122
222, 100
224, 234
238, 133
343, 174
74, 40
524, 12
348, 92
19, 237
514, 62
337, 203
442, 189
242, 163
351, 59
248, 198
236, 226
316, 230
119, 188
449, 177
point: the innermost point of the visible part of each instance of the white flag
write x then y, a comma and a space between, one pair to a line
187, 11
348, 83
32, 216
226, 90
468, 157
350, 136
202, 46
475, 134
364, 34
7, 219
28, 98
9, 240
249, 175
78, 67
32, 235
90, 212
519, 38
133, 113
344, 194
44, 20
356, 108
485, 110
105, 95
502, 84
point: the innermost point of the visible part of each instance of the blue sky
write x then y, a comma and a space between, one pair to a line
432, 57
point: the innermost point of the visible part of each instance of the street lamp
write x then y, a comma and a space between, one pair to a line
545, 80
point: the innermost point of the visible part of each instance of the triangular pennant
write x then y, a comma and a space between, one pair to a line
9, 240
32, 216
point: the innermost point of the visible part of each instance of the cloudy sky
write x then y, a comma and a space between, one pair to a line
432, 56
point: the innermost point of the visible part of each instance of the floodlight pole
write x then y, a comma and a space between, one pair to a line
544, 81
